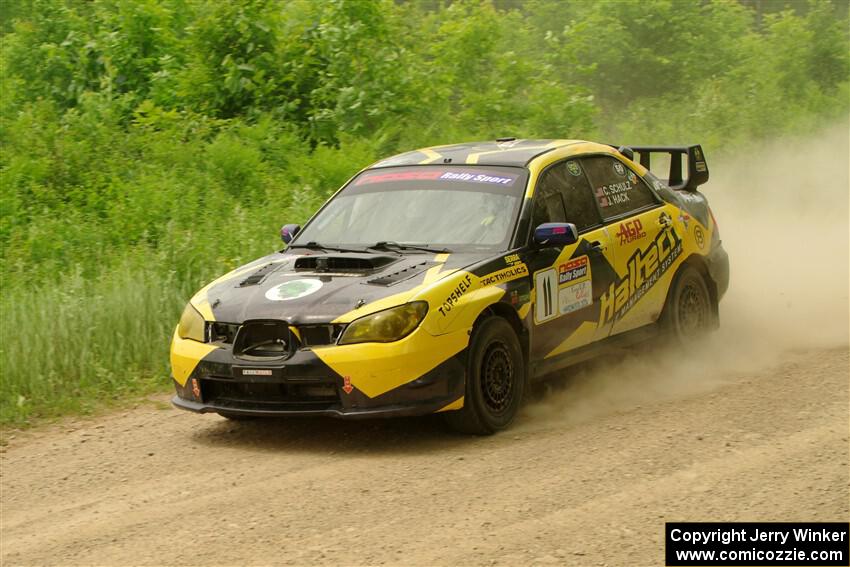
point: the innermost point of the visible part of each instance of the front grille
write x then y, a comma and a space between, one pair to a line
310, 335
318, 335
269, 396
263, 339
221, 332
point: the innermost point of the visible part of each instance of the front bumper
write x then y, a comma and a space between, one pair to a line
305, 385
413, 409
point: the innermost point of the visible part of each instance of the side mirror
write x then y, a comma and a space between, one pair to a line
556, 233
288, 232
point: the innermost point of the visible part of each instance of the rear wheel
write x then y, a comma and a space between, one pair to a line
495, 380
690, 311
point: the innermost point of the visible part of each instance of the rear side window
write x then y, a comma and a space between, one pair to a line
563, 195
617, 189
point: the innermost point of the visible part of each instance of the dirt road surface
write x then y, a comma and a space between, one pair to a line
587, 477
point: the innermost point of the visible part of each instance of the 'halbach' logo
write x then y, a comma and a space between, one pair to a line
643, 271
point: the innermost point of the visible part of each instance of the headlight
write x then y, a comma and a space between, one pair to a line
192, 325
385, 326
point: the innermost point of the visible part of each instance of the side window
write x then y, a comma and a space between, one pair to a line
618, 190
563, 195
548, 204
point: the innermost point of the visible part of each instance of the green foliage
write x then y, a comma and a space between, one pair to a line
146, 146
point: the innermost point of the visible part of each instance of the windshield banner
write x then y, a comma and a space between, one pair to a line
506, 179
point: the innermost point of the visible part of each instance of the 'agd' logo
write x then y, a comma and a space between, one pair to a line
294, 289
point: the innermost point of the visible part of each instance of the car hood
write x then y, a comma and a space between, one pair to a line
322, 287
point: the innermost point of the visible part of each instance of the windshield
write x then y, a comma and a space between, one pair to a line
456, 207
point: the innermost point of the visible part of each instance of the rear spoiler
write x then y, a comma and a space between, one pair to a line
697, 168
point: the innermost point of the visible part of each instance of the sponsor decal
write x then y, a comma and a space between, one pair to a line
630, 231
576, 296
438, 175
346, 385
700, 161
572, 270
398, 176
196, 388
684, 218
479, 178
546, 283
505, 275
632, 178
520, 297
658, 185
619, 168
574, 168
643, 270
511, 259
462, 287
699, 237
613, 194
564, 290
256, 372
294, 289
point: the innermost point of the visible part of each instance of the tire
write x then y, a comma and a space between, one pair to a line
689, 313
495, 380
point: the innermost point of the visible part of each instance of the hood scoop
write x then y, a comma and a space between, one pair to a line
346, 263
401, 275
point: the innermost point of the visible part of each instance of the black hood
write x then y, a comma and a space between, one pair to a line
319, 287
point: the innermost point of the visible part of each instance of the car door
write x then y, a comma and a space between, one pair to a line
568, 281
644, 244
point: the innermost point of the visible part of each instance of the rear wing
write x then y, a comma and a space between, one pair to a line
697, 169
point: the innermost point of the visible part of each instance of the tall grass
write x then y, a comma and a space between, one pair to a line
69, 344
89, 302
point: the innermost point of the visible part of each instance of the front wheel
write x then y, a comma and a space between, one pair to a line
690, 311
495, 380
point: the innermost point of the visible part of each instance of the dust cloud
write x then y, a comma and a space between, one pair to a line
782, 210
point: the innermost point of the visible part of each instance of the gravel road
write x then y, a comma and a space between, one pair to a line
588, 476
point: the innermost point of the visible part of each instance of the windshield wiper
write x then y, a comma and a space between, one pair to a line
313, 245
390, 245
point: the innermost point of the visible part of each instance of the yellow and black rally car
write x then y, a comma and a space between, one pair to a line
445, 279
